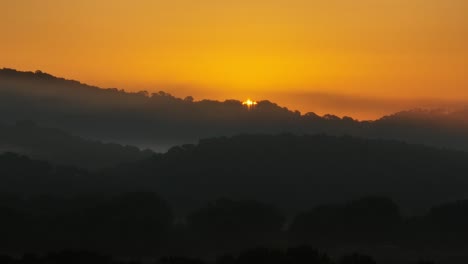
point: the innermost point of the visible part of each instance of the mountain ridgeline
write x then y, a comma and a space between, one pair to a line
160, 120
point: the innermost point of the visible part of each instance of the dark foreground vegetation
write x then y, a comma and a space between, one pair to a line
281, 191
143, 225
296, 255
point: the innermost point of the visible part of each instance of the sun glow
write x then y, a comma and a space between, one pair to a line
249, 103
361, 58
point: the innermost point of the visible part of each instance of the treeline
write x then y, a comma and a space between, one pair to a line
291, 171
163, 119
297, 171
143, 224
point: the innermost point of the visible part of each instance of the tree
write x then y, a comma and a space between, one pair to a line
129, 221
367, 220
228, 223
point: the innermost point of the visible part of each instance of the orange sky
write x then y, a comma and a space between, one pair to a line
362, 58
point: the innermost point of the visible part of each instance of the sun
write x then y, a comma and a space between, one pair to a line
249, 103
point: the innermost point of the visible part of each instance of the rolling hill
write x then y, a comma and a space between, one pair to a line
160, 120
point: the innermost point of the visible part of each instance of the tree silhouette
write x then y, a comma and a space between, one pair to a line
367, 220
227, 223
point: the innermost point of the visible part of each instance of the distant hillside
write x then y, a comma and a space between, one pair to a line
160, 120
294, 172
61, 148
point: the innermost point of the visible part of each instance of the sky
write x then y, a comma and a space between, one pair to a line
361, 58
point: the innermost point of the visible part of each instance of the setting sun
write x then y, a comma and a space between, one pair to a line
249, 103
194, 131
323, 56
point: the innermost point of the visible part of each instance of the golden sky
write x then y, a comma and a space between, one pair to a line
362, 58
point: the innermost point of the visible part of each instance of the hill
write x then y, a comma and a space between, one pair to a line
59, 147
293, 172
160, 120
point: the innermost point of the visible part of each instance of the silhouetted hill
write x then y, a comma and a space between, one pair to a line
291, 171
294, 171
45, 207
451, 117
22, 175
61, 148
160, 120
438, 127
